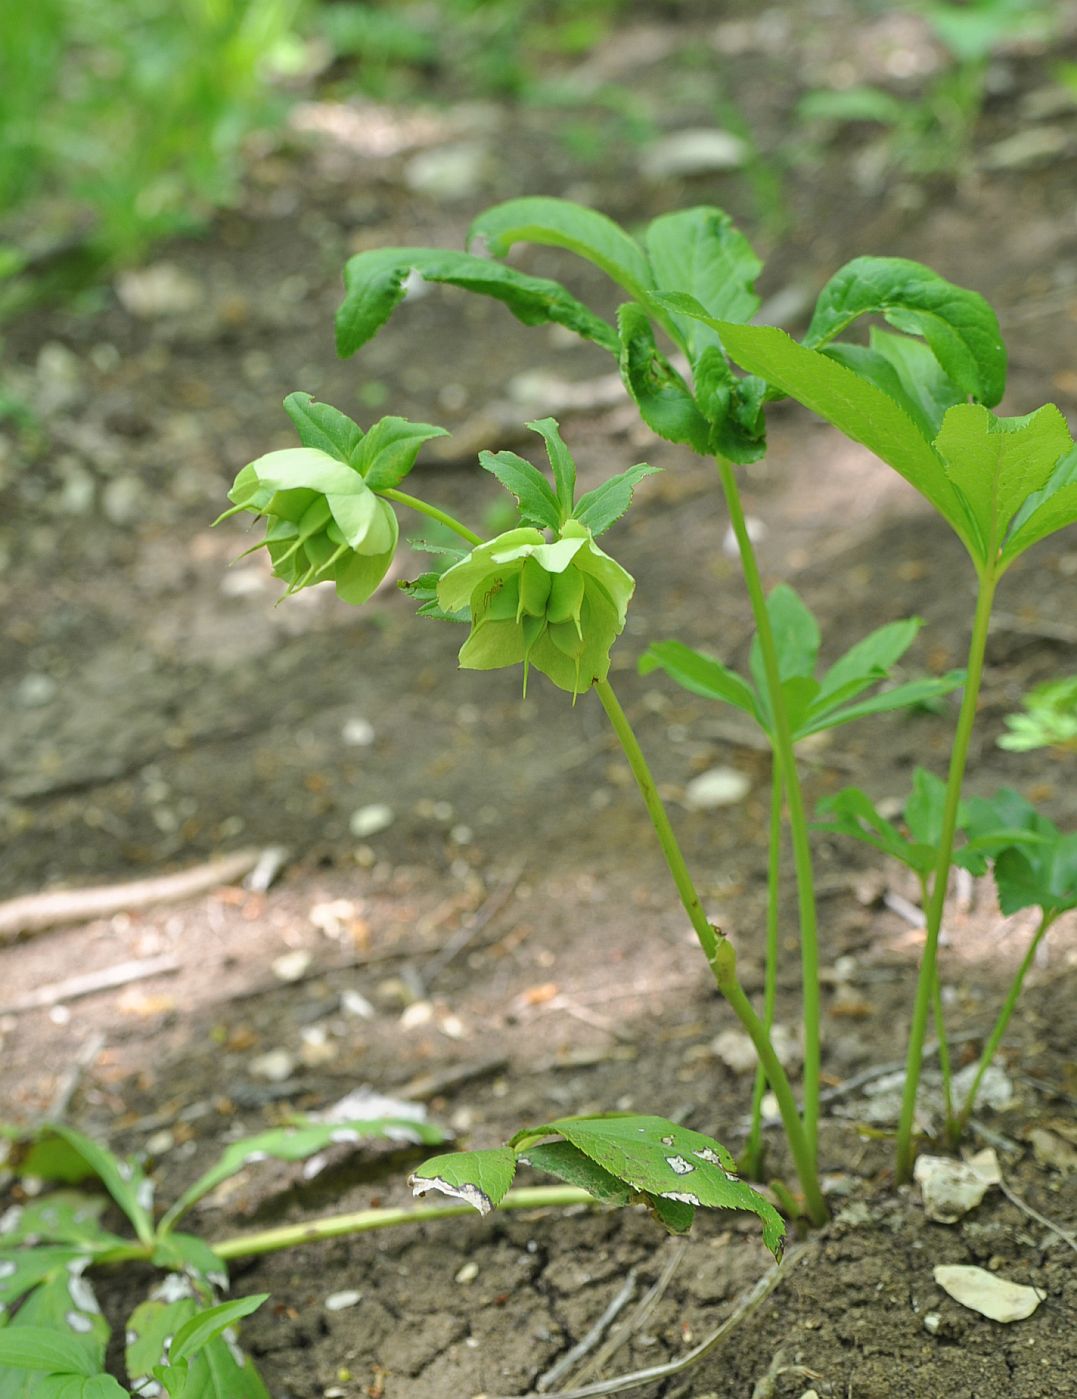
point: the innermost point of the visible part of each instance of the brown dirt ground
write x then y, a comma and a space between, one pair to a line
161, 710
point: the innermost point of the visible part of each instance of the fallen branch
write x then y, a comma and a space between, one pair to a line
86, 985
32, 913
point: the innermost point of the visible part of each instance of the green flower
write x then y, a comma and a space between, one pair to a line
323, 521
556, 606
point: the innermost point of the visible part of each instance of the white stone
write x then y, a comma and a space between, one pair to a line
949, 1188
994, 1297
292, 966
694, 151
274, 1066
717, 787
369, 820
338, 1301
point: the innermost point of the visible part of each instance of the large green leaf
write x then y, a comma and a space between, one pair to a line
568, 1163
79, 1387
1034, 864
40, 1348
324, 428
998, 463
854, 814
663, 1159
1045, 511
560, 223
64, 1306
701, 675
869, 659
61, 1217
479, 1178
855, 406
605, 505
219, 1370
296, 1144
959, 325
663, 398
125, 1180
701, 252
374, 284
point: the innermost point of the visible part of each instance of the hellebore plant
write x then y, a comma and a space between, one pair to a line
544, 596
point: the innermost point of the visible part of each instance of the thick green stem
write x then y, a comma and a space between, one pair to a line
782, 738
753, 1151
442, 516
925, 988
718, 951
363, 1221
990, 1048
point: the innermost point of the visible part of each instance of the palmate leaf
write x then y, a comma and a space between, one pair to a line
670, 1162
907, 371
1034, 863
296, 1144
618, 1159
854, 814
375, 285
324, 428
79, 1387
857, 407
218, 1370
61, 1217
124, 1180
39, 1348
701, 675
701, 252
663, 398
959, 325
560, 223
1045, 511
999, 463
63, 1306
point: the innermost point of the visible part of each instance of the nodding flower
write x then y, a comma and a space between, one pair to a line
322, 521
556, 606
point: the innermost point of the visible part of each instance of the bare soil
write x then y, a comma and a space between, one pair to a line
160, 710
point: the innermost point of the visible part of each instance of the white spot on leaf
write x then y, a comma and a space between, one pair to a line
7, 1268
684, 1198
82, 1294
470, 1194
345, 1135
680, 1165
705, 1154
9, 1220
78, 1322
667, 1141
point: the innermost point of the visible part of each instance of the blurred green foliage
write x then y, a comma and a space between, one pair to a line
933, 133
133, 110
122, 121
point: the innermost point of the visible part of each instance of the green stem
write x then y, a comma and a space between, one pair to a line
753, 1151
718, 951
442, 516
945, 1067
782, 739
925, 987
363, 1221
990, 1048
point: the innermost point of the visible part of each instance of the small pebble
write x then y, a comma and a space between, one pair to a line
339, 1301
720, 786
274, 1066
292, 966
369, 820
468, 1273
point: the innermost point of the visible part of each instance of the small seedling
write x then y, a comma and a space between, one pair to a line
181, 1339
1049, 721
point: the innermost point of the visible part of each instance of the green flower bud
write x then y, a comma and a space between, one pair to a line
556, 606
322, 521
